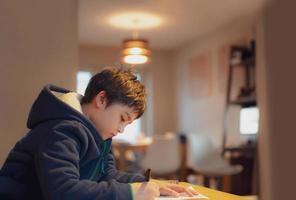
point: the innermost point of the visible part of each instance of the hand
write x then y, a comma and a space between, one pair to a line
171, 189
145, 191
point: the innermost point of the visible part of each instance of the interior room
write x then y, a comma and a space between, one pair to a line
219, 78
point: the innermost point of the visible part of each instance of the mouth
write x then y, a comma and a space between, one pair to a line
113, 134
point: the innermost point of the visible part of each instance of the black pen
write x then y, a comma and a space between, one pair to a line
148, 174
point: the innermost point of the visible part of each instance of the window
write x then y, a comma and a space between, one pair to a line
249, 120
82, 78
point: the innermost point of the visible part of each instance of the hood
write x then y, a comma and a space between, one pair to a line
55, 103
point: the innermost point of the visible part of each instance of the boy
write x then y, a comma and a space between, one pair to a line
66, 154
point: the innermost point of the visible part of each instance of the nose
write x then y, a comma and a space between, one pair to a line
121, 128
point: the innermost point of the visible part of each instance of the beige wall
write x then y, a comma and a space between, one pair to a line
164, 106
96, 57
38, 46
157, 75
277, 63
205, 114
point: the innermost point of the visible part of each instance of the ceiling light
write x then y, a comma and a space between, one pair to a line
135, 51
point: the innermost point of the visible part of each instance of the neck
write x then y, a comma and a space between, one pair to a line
86, 110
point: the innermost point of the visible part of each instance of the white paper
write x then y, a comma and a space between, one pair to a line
199, 196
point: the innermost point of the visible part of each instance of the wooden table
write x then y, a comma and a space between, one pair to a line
215, 194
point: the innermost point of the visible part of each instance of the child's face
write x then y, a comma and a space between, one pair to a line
112, 120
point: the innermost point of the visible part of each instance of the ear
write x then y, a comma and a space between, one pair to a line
101, 100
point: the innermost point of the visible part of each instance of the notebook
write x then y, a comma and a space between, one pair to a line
183, 197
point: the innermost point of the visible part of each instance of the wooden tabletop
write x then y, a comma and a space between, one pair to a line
214, 194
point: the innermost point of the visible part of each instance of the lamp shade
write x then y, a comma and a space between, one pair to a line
135, 51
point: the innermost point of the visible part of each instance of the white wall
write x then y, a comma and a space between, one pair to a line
277, 63
38, 46
206, 114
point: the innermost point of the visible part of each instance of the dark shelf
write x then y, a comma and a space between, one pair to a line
250, 62
244, 101
245, 57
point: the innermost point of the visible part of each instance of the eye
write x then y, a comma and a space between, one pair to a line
122, 119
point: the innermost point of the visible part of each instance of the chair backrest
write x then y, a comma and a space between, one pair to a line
163, 155
205, 158
201, 150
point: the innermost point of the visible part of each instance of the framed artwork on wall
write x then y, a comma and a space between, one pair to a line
200, 76
223, 63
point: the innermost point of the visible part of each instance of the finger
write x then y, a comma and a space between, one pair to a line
166, 191
189, 192
191, 189
181, 189
157, 193
177, 188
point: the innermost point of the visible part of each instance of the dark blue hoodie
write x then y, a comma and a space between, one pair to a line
62, 157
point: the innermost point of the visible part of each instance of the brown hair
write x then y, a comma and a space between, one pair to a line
121, 86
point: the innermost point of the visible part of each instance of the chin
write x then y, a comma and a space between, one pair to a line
107, 136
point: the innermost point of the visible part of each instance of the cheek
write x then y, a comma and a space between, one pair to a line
108, 124
98, 124
113, 124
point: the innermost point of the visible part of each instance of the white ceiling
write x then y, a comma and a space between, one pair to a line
184, 20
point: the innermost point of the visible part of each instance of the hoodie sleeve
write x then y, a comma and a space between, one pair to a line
57, 168
120, 176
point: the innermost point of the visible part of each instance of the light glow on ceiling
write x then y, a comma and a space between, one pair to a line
135, 20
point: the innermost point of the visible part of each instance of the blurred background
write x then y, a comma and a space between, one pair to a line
219, 76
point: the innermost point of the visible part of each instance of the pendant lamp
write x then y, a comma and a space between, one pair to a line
135, 51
